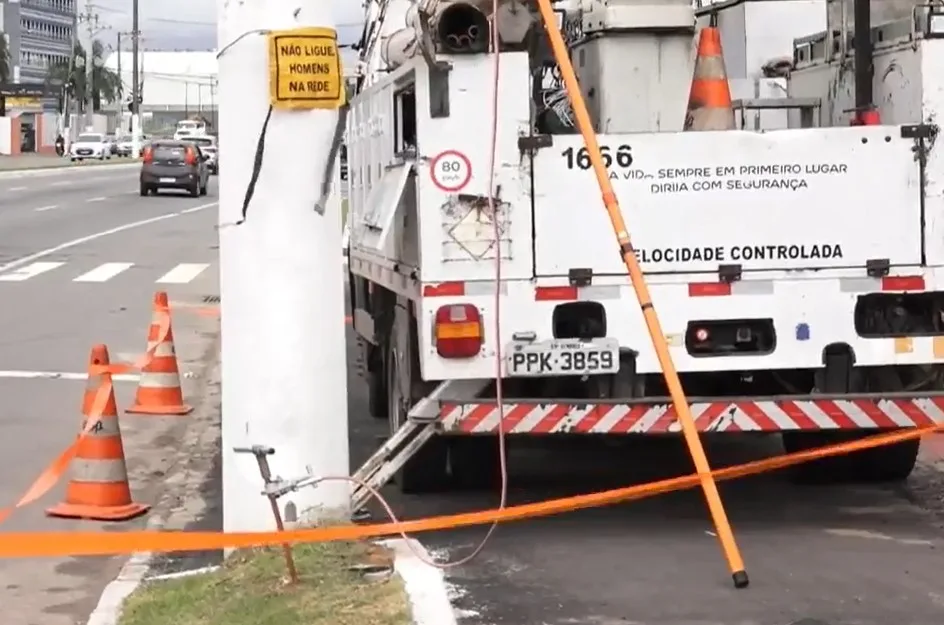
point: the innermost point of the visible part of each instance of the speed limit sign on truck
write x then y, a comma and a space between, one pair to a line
451, 171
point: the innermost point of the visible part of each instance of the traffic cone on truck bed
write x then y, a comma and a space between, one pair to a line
99, 488
709, 101
159, 391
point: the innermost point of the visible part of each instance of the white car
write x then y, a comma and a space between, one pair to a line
90, 145
207, 145
126, 147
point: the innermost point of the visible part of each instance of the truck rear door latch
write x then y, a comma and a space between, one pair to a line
729, 273
877, 267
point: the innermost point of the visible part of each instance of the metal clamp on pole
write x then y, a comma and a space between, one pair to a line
273, 491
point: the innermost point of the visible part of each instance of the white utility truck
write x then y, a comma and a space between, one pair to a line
795, 270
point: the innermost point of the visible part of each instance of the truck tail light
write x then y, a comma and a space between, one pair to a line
458, 331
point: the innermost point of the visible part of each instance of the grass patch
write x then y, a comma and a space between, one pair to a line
249, 590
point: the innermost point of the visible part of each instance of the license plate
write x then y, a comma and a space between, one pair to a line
168, 180
563, 357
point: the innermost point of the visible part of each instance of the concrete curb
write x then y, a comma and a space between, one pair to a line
65, 169
135, 570
425, 585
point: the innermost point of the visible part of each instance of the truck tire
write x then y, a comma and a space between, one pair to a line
889, 463
373, 376
835, 469
426, 470
474, 462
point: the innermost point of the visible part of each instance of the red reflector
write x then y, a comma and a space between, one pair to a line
709, 289
555, 293
458, 331
903, 283
445, 289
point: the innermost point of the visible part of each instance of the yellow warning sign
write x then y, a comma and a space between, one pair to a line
305, 69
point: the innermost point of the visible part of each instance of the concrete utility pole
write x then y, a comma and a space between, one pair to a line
70, 102
281, 285
135, 83
90, 20
121, 90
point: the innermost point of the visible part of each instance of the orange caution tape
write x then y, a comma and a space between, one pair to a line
51, 475
33, 544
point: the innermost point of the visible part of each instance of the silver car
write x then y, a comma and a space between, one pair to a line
207, 145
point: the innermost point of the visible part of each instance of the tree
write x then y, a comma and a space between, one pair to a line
106, 84
5, 69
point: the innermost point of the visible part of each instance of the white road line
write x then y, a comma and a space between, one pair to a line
46, 208
104, 272
183, 273
29, 271
63, 375
18, 188
25, 260
96, 199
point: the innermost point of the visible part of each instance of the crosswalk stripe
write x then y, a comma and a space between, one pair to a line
104, 272
183, 273
29, 271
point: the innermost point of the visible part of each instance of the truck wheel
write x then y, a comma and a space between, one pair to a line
834, 469
889, 463
373, 377
474, 462
426, 470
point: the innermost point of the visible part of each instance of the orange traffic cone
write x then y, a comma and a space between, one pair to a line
709, 101
159, 391
99, 487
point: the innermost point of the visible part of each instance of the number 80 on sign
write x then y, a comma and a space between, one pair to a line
450, 171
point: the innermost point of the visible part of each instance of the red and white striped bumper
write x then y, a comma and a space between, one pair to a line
774, 415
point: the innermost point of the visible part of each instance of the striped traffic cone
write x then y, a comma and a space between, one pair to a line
159, 391
709, 101
99, 488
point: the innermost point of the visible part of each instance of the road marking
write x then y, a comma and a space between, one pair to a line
46, 208
29, 271
104, 272
63, 375
18, 188
25, 260
96, 199
183, 273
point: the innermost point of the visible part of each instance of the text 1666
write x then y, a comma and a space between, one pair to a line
621, 157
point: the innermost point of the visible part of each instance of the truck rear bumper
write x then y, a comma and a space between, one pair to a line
876, 412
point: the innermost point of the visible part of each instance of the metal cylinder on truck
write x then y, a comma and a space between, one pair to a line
457, 28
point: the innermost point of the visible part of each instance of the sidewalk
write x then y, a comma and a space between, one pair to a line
32, 161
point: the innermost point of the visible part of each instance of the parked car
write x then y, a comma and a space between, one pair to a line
170, 164
125, 146
207, 145
90, 145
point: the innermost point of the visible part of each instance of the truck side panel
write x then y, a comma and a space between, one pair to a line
456, 224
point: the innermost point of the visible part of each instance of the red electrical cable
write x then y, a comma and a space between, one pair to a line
494, 43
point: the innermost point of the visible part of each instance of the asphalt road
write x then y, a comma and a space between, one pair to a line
854, 555
81, 255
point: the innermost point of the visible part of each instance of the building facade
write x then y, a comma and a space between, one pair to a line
39, 33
